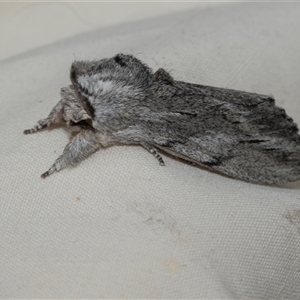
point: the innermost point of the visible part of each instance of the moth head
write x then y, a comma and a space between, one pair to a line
109, 87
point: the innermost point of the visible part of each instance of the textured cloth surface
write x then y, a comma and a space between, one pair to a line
119, 225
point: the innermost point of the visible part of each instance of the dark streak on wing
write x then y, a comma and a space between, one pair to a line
87, 106
118, 59
73, 74
81, 92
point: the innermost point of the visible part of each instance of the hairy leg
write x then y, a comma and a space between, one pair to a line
55, 116
80, 147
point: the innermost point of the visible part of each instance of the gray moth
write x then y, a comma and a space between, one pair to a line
120, 100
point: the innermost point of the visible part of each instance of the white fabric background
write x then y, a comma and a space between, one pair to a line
121, 226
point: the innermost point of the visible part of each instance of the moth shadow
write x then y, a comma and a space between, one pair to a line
175, 156
290, 185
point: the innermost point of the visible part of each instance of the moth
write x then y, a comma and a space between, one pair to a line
120, 100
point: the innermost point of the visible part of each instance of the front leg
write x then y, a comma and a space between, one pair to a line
80, 147
55, 116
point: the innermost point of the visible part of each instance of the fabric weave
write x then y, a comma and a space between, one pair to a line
121, 226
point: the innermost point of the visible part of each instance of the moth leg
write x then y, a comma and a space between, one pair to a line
152, 150
55, 116
80, 147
